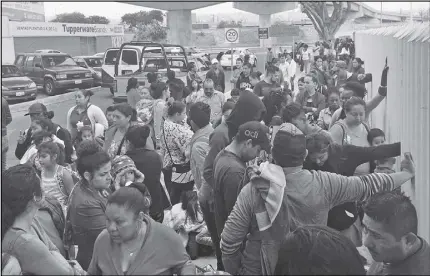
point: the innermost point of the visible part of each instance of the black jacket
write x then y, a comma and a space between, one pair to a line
149, 163
219, 80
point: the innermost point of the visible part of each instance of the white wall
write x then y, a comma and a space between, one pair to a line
404, 115
7, 44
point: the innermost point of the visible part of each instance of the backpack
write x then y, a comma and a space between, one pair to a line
345, 137
54, 208
145, 110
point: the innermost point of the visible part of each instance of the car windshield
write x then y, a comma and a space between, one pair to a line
94, 62
8, 71
58, 61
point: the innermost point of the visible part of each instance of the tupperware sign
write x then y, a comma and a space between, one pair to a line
25, 29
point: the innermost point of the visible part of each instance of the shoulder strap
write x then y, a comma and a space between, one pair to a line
59, 175
343, 131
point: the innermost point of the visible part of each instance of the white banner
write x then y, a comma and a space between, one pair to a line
29, 29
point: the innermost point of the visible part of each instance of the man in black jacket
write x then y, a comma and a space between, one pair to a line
217, 75
35, 111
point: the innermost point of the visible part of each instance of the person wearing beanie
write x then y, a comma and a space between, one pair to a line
282, 196
124, 172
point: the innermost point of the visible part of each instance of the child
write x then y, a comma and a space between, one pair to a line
86, 133
376, 137
187, 220
109, 115
56, 180
124, 172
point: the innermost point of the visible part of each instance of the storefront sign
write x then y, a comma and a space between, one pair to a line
29, 29
24, 11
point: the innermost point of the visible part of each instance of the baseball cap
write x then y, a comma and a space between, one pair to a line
36, 108
257, 132
289, 145
214, 61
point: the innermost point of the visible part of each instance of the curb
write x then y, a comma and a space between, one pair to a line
22, 107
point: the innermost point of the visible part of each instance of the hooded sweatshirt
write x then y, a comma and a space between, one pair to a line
247, 108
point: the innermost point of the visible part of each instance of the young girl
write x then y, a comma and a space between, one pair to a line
56, 180
124, 172
109, 114
186, 219
376, 137
86, 133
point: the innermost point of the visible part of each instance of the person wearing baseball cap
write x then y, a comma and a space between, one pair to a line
230, 166
217, 75
309, 196
36, 111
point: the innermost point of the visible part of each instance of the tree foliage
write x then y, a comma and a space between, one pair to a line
153, 31
229, 24
326, 25
133, 20
77, 17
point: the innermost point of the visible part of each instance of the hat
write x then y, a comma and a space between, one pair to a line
290, 145
36, 108
120, 166
214, 61
257, 132
341, 64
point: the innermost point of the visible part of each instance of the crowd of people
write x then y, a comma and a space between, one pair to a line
270, 181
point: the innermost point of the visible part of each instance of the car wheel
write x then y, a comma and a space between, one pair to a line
49, 87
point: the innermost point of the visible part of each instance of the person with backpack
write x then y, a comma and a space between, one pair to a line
152, 112
36, 111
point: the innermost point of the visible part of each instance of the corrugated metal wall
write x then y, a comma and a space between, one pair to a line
404, 115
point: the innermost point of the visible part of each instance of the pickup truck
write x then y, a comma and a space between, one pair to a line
152, 57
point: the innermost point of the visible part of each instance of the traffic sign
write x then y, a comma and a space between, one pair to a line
231, 35
263, 33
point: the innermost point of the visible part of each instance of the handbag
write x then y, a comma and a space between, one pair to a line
177, 168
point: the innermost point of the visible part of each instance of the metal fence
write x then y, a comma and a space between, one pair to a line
404, 115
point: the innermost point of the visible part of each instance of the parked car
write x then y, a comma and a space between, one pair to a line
94, 64
16, 86
48, 51
237, 53
198, 53
54, 71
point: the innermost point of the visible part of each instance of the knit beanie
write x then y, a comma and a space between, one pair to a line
289, 146
120, 166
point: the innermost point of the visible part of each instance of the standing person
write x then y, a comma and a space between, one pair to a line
87, 202
230, 166
237, 71
133, 244
357, 66
109, 115
325, 116
21, 235
248, 108
199, 120
177, 87
311, 100
85, 113
306, 57
269, 57
192, 75
281, 197
175, 152
270, 82
243, 81
36, 111
56, 180
217, 75
6, 118
115, 143
215, 99
133, 93
150, 164
254, 78
391, 235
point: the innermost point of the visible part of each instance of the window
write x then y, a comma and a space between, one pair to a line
129, 57
177, 64
94, 62
19, 60
58, 61
29, 61
37, 60
111, 57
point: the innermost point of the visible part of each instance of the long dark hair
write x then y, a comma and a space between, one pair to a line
91, 157
190, 204
127, 110
132, 83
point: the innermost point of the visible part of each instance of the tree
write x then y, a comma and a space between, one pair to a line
77, 17
229, 24
153, 31
95, 19
326, 25
142, 17
74, 17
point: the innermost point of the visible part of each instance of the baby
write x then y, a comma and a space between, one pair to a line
124, 172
